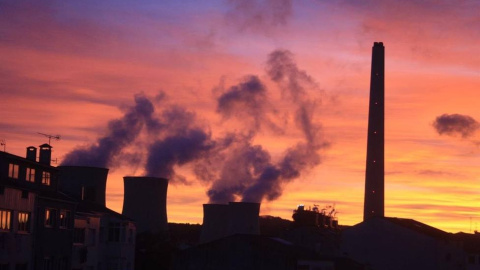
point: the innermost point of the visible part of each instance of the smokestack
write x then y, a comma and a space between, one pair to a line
145, 201
84, 183
374, 174
32, 153
215, 222
45, 154
243, 218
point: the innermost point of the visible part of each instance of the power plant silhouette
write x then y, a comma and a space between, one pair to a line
61, 214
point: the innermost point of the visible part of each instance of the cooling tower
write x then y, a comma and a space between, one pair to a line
84, 183
215, 222
243, 218
145, 201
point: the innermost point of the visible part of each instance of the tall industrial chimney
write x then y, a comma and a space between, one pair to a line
84, 183
145, 201
215, 222
374, 175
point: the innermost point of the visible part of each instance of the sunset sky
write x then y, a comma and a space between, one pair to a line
248, 70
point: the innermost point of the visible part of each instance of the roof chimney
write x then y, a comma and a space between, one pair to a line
32, 153
45, 154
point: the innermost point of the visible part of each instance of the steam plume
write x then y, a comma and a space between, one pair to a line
452, 124
247, 99
174, 150
249, 171
120, 133
234, 164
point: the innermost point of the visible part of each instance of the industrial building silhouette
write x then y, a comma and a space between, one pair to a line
56, 218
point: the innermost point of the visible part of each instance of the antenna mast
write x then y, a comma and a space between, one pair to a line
3, 143
50, 137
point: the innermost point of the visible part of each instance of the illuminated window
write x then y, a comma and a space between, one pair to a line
50, 216
13, 170
23, 221
46, 178
5, 220
64, 218
30, 175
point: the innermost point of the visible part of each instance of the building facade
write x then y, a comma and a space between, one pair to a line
36, 227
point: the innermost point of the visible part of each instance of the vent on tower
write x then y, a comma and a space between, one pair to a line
145, 201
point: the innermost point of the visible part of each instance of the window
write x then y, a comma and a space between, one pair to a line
130, 235
23, 221
114, 232
50, 216
5, 220
13, 171
101, 237
79, 235
48, 263
471, 259
46, 178
30, 175
64, 218
24, 194
92, 237
113, 266
63, 263
21, 266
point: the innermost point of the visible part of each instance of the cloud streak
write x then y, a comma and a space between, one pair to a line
456, 124
259, 15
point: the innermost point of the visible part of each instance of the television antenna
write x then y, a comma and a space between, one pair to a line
3, 143
50, 137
